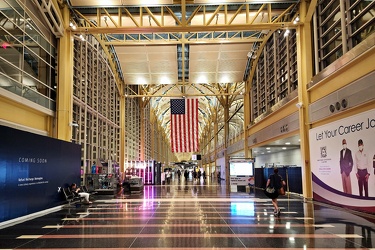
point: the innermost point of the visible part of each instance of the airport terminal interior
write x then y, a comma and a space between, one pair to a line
88, 87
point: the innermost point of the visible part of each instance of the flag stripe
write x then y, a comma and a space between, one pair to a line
188, 126
183, 133
184, 125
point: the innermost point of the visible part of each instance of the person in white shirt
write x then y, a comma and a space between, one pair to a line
362, 162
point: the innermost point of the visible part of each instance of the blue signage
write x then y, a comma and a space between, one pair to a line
33, 169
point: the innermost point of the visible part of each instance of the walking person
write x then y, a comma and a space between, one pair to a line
194, 175
179, 174
276, 182
186, 175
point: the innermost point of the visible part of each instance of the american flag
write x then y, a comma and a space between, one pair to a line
184, 125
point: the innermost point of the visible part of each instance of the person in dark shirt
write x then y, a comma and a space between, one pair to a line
276, 181
346, 167
78, 192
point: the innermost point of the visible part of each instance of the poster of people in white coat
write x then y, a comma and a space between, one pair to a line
342, 157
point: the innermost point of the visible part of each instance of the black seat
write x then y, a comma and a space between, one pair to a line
86, 190
70, 197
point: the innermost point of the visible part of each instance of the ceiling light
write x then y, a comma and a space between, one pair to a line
231, 1
73, 26
284, 148
224, 79
165, 80
202, 79
268, 148
146, 2
141, 81
296, 20
287, 143
213, 1
286, 33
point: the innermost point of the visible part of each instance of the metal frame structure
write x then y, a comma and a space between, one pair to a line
183, 24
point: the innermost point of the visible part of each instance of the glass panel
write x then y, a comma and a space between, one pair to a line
25, 70
10, 84
34, 34
31, 63
330, 34
332, 40
15, 6
11, 58
13, 17
31, 94
361, 17
329, 13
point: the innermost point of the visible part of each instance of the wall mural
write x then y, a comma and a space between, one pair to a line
343, 162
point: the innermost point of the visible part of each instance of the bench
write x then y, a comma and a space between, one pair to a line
70, 197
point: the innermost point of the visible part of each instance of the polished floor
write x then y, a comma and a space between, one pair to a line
193, 216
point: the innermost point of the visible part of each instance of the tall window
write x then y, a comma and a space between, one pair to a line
27, 57
341, 27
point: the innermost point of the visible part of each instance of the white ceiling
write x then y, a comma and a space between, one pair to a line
208, 63
288, 143
143, 65
218, 63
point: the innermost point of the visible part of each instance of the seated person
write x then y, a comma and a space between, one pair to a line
78, 192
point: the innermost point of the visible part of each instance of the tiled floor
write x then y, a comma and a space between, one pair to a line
193, 216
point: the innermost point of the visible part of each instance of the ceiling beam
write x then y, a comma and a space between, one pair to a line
184, 95
179, 29
168, 42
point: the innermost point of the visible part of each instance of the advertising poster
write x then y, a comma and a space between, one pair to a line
33, 171
342, 162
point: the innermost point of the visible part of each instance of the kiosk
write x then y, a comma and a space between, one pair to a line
136, 184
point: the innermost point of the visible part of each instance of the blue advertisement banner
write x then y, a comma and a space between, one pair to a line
33, 170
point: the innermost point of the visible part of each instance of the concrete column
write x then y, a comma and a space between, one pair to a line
122, 133
65, 82
304, 59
